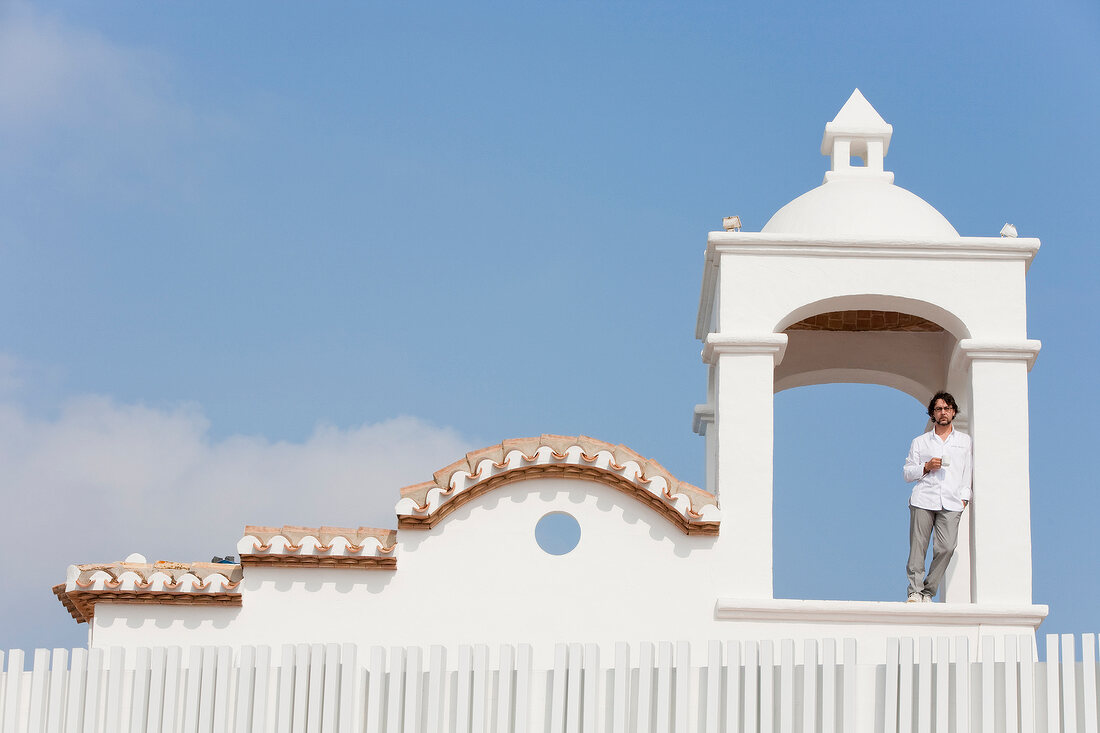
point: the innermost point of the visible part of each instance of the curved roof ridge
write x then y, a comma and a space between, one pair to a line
578, 456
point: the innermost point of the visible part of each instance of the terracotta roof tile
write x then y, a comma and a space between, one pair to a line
140, 582
423, 505
362, 547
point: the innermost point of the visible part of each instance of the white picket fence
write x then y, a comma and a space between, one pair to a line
925, 685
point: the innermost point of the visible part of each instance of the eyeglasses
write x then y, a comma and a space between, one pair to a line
943, 409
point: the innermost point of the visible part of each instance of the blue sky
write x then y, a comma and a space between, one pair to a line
268, 263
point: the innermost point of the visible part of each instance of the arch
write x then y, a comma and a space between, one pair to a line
690, 508
911, 387
880, 302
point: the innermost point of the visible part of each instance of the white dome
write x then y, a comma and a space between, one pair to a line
853, 207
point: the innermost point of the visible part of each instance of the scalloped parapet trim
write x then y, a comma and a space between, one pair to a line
423, 505
162, 582
331, 547
81, 603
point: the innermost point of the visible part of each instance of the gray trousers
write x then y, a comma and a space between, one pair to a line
944, 526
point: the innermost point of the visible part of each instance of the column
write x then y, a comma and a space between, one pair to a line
956, 582
743, 426
1001, 511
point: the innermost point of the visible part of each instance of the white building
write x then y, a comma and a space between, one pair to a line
834, 288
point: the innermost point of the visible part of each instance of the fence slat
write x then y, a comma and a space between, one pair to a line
246, 666
1027, 684
139, 698
59, 674
36, 710
850, 693
206, 689
557, 689
664, 687
155, 710
78, 677
786, 686
962, 684
437, 679
809, 687
733, 685
573, 690
223, 689
751, 674
413, 675
284, 699
90, 718
943, 683
376, 689
1069, 683
682, 679
330, 701
1010, 708
40, 671
905, 686
193, 675
316, 687
1054, 717
13, 691
523, 688
396, 681
592, 705
116, 679
767, 685
173, 682
505, 670
1088, 679
890, 703
713, 709
262, 690
620, 712
462, 689
645, 688
924, 685
988, 668
301, 687
349, 689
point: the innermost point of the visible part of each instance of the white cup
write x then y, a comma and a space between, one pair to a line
945, 461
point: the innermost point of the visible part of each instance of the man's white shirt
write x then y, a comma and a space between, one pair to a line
948, 487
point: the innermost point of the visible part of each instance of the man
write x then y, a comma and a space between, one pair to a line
940, 461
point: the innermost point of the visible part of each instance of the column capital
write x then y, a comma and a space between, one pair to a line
767, 343
1026, 350
702, 419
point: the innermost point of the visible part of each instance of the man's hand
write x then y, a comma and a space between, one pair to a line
933, 464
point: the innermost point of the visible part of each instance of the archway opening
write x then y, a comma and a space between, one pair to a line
841, 517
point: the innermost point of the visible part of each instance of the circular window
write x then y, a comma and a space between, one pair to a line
558, 533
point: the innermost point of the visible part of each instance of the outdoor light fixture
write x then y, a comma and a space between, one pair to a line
731, 223
1008, 231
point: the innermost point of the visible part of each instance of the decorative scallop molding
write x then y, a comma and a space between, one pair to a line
331, 547
200, 583
423, 505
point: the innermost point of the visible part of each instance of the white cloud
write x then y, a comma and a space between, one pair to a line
52, 73
102, 480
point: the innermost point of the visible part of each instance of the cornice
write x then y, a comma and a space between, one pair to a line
880, 612
769, 343
1026, 350
787, 245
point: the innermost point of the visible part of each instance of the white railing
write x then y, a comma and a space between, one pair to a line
925, 685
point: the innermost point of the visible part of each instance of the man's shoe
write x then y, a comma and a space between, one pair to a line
915, 598
925, 598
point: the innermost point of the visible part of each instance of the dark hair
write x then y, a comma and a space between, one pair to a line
946, 397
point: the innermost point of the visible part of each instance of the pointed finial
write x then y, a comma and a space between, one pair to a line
859, 131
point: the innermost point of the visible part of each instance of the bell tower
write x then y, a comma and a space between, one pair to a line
835, 288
